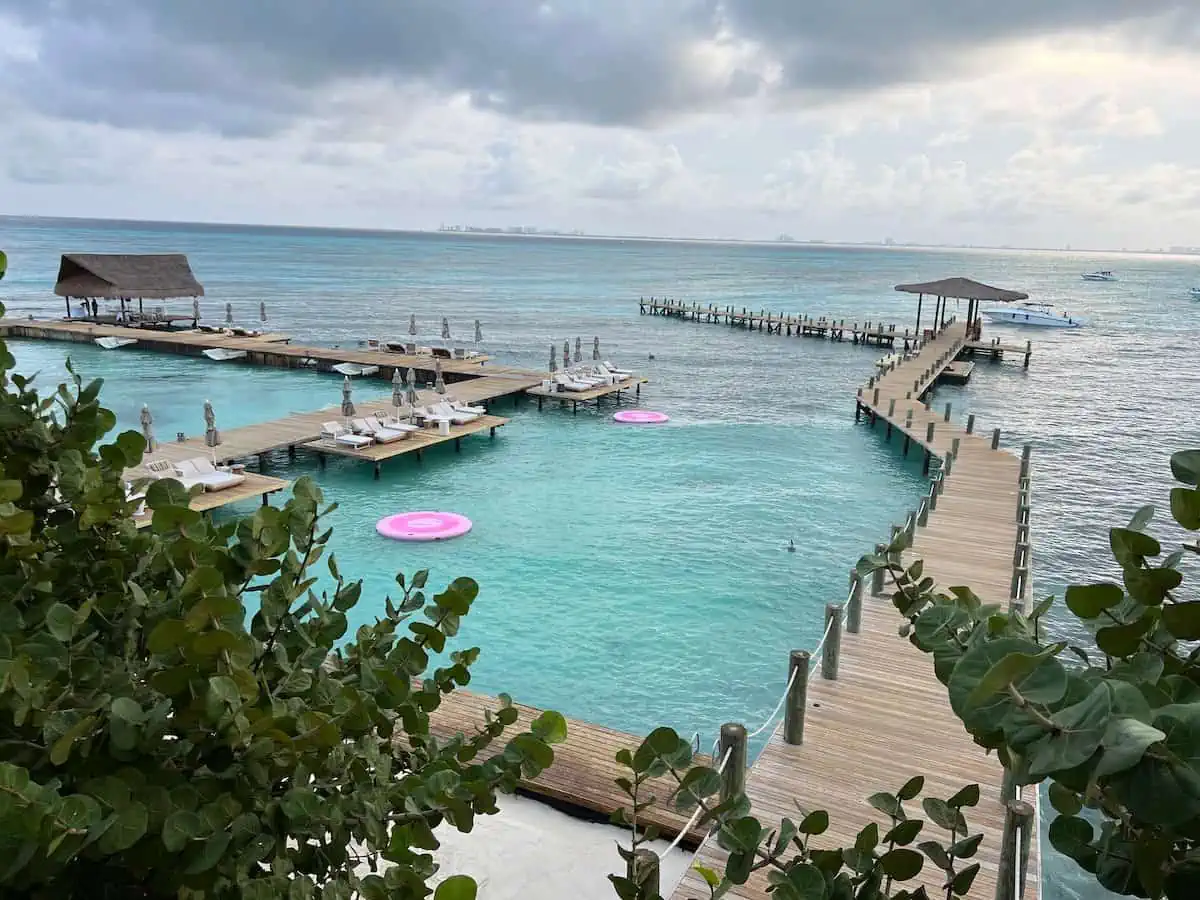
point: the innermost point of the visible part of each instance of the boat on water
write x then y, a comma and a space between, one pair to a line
1042, 315
221, 354
1102, 275
1194, 292
112, 343
353, 369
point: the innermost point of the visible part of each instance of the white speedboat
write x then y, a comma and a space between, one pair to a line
354, 369
221, 354
112, 343
1194, 292
1042, 315
1102, 275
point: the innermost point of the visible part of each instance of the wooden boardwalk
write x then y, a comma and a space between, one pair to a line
632, 383
581, 779
886, 717
417, 443
255, 485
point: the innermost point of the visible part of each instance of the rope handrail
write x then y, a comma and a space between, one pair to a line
699, 811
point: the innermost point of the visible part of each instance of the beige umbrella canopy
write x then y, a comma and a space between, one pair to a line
975, 292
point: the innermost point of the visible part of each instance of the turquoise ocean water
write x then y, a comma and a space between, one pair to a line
638, 576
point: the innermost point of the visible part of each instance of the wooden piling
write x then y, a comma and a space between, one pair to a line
877, 575
797, 696
733, 741
996, 439
947, 416
854, 604
833, 641
1018, 819
971, 423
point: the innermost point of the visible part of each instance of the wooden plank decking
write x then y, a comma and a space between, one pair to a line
255, 485
584, 766
632, 383
416, 443
886, 717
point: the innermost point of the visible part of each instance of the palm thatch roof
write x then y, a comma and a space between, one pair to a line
963, 289
146, 276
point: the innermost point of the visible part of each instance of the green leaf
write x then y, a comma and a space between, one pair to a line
803, 881
1131, 547
10, 490
179, 828
1141, 518
1089, 600
1124, 640
886, 804
1150, 586
967, 847
1125, 742
60, 621
943, 815
711, 878
1080, 730
1045, 684
968, 795
1182, 619
963, 880
1013, 667
1072, 837
911, 788
904, 833
936, 853
816, 822
128, 827
210, 853
550, 727
1185, 507
1185, 466
867, 839
902, 863
168, 635
698, 783
1064, 800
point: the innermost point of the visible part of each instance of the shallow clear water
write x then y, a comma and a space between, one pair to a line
637, 576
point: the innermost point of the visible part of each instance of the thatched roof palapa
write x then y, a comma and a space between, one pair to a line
145, 276
963, 289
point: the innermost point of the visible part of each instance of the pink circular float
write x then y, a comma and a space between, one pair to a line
423, 526
640, 417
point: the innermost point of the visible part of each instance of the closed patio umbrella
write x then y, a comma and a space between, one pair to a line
439, 384
578, 349
445, 329
195, 309
596, 348
566, 354
228, 313
398, 387
262, 310
411, 393
478, 332
347, 403
412, 324
212, 437
148, 430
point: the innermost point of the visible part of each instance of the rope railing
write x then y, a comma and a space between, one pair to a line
683, 832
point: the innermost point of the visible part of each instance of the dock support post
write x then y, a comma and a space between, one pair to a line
947, 416
833, 641
797, 697
854, 609
291, 451
923, 512
1026, 453
321, 460
733, 779
891, 407
954, 445
262, 463
971, 423
1028, 352
996, 439
933, 495
377, 471
458, 445
643, 871
929, 433
266, 499
1014, 850
492, 431
877, 575
875, 398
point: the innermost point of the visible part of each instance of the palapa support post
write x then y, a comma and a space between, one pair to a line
733, 779
644, 872
832, 649
877, 575
996, 439
1018, 819
854, 609
797, 697
971, 423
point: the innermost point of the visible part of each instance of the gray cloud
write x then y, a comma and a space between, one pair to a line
240, 67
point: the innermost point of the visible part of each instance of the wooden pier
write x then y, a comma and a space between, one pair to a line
255, 485
417, 443
633, 383
884, 717
581, 781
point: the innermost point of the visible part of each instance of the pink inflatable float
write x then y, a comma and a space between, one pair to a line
423, 526
640, 417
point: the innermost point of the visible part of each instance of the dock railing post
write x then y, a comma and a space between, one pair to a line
929, 433
971, 423
947, 416
947, 464
733, 779
923, 512
1018, 819
954, 445
833, 642
933, 495
643, 871
891, 407
996, 439
877, 575
797, 697
854, 607
1026, 453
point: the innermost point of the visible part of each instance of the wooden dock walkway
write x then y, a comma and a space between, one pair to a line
255, 485
582, 777
632, 383
886, 717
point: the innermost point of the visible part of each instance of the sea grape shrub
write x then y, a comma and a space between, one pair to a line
184, 714
1112, 723
882, 863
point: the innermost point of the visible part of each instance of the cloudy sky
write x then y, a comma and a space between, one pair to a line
1028, 122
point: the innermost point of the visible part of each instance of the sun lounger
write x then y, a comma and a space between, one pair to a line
615, 370
570, 384
465, 407
392, 423
200, 470
429, 415
339, 434
372, 427
457, 416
